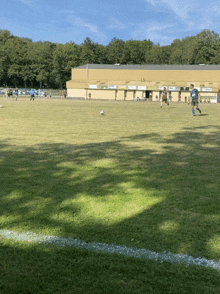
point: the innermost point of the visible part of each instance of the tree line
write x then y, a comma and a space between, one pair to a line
24, 63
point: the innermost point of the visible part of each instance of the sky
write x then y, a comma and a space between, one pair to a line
160, 21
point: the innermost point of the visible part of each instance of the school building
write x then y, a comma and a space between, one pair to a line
140, 82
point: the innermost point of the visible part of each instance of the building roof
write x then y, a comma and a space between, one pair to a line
149, 67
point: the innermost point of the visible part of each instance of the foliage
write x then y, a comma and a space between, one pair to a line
45, 64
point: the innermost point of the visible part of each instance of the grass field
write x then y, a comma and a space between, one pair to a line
138, 176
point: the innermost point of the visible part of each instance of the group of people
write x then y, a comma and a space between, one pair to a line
32, 94
194, 97
10, 93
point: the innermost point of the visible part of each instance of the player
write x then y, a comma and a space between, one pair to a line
164, 97
194, 95
64, 94
32, 94
8, 94
16, 94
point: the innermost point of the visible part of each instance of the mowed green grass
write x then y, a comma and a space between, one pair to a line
138, 176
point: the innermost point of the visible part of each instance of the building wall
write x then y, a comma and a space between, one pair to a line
79, 74
139, 94
183, 95
81, 80
120, 95
130, 95
102, 94
186, 76
175, 96
79, 93
156, 95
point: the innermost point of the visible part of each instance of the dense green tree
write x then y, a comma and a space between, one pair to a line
115, 51
133, 53
158, 55
176, 49
87, 52
100, 54
146, 47
17, 52
42, 62
4, 36
189, 50
206, 46
216, 58
45, 64
4, 58
64, 58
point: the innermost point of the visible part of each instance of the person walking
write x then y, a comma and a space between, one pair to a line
32, 94
194, 95
164, 97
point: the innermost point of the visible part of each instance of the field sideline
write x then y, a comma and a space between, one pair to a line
138, 176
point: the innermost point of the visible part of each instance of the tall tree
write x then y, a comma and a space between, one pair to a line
133, 53
16, 50
158, 55
4, 56
64, 58
146, 46
189, 50
176, 49
87, 54
42, 62
115, 51
207, 46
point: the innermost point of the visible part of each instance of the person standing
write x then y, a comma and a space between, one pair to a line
8, 94
164, 97
16, 94
64, 94
194, 95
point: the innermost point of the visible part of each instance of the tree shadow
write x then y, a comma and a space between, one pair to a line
30, 269
40, 188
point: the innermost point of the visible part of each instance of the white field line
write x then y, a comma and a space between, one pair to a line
111, 249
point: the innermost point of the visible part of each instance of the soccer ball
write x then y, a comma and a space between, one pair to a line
102, 112
1, 106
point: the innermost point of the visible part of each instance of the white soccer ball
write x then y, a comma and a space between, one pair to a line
102, 112
1, 106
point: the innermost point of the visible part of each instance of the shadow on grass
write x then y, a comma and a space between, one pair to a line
41, 186
30, 269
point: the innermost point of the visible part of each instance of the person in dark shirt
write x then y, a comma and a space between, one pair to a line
164, 97
194, 95
16, 94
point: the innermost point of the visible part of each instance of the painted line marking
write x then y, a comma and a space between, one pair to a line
111, 249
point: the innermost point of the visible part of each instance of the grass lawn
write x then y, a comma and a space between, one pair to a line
138, 176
